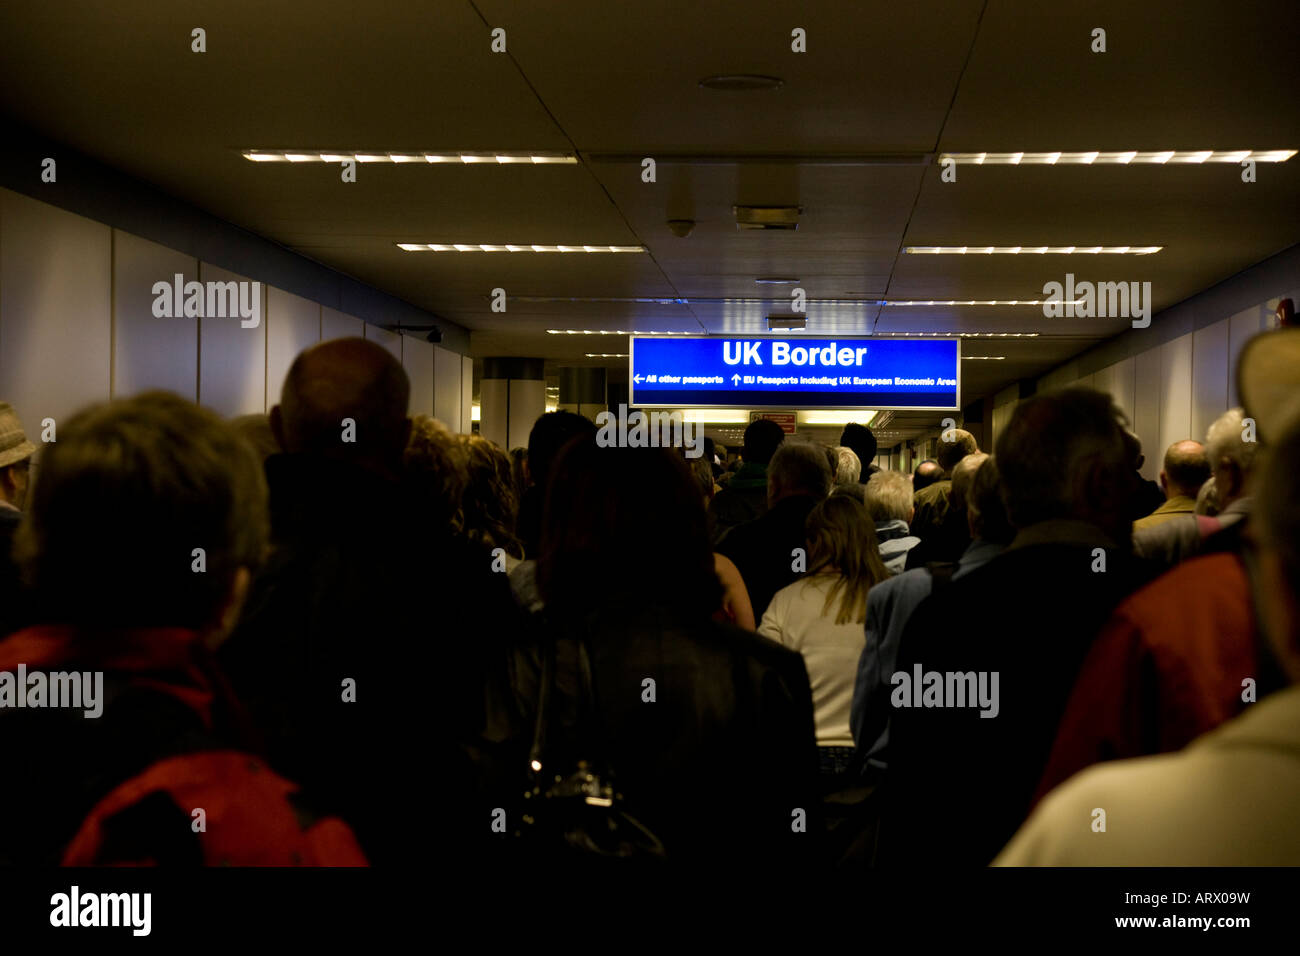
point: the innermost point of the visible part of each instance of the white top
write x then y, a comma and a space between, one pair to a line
1227, 799
830, 651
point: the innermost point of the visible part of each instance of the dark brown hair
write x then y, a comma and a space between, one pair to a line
625, 521
124, 497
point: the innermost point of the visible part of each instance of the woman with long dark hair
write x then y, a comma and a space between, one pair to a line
708, 729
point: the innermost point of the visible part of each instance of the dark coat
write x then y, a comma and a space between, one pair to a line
959, 785
761, 549
364, 585
717, 764
12, 598
743, 499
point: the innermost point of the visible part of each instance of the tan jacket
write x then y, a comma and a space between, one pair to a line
1231, 798
1178, 505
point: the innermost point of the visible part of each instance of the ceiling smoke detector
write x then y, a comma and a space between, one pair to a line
767, 217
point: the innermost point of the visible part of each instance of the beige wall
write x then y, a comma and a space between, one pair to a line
77, 327
56, 310
1174, 390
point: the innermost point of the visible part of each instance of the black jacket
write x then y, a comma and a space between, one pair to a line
13, 600
743, 499
365, 586
762, 549
959, 784
718, 763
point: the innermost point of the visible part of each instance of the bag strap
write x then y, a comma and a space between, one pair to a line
586, 699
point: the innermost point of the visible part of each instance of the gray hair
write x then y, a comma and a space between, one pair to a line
1224, 440
799, 467
1050, 437
889, 496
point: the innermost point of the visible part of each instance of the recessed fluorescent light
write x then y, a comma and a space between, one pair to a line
925, 302
958, 335
606, 355
828, 417
583, 298
1032, 250
508, 247
716, 416
1121, 157
982, 358
774, 280
528, 157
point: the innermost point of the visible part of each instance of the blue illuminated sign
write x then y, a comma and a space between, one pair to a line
787, 372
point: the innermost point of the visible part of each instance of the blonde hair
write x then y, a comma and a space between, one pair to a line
488, 506
842, 542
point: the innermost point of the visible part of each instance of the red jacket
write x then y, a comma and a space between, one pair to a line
1167, 667
123, 787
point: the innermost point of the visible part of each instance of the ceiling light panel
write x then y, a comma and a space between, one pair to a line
508, 247
1121, 157
494, 157
1032, 250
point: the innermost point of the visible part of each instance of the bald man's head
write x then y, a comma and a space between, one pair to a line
954, 445
342, 381
1186, 469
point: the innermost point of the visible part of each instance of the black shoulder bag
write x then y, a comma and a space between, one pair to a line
573, 809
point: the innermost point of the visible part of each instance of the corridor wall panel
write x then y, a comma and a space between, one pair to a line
1210, 358
151, 351
466, 394
55, 310
382, 337
1146, 409
232, 359
339, 325
1175, 395
447, 388
417, 359
292, 325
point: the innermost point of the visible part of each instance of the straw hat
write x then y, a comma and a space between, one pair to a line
1268, 380
14, 446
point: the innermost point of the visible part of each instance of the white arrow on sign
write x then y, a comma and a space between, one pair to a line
637, 378
735, 380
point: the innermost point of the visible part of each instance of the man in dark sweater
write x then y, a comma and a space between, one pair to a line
764, 550
361, 653
963, 766
745, 496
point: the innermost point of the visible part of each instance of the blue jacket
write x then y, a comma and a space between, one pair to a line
889, 604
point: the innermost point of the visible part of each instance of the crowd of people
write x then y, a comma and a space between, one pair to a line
339, 635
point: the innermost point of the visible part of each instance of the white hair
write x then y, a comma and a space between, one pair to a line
1224, 439
889, 496
850, 467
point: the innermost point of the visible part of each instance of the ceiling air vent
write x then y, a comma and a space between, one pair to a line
767, 217
776, 322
